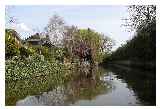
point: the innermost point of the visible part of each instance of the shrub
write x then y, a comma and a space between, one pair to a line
24, 68
11, 49
24, 52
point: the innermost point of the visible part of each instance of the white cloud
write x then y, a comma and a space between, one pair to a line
20, 27
23, 27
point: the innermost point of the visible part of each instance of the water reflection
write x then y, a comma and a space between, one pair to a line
80, 88
142, 82
112, 86
86, 89
54, 97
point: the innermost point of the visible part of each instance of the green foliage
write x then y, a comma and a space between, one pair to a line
24, 52
41, 50
97, 42
89, 39
11, 49
19, 69
59, 54
51, 53
141, 48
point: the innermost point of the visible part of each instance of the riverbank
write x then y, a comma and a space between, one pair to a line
129, 63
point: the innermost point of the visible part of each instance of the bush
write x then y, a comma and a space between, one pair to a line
11, 49
24, 52
24, 68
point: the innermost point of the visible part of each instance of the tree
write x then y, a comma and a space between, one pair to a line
56, 30
86, 43
69, 40
140, 16
142, 47
107, 44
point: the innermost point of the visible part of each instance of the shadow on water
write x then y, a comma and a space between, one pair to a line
111, 86
142, 82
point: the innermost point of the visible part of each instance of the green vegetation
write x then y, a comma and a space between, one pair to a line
73, 87
33, 61
79, 41
68, 54
141, 49
24, 52
78, 45
20, 69
11, 48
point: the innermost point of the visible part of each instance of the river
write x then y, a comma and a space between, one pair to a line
114, 86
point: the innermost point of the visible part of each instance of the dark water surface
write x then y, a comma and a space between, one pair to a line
114, 86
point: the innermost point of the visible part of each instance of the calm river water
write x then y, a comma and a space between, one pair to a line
115, 86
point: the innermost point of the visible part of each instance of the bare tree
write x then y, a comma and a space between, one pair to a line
56, 30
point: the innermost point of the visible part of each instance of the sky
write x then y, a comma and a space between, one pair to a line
104, 19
